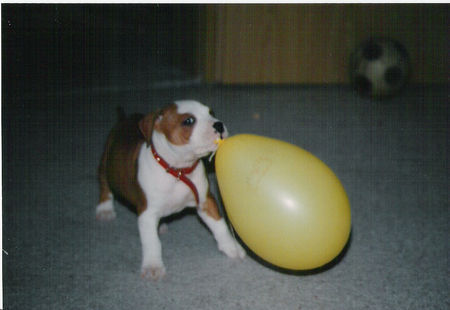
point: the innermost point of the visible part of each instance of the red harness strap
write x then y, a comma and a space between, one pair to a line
179, 173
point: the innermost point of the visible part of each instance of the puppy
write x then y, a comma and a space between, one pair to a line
153, 162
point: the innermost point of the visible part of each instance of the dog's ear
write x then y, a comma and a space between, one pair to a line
153, 121
146, 125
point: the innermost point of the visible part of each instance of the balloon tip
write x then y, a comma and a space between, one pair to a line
219, 142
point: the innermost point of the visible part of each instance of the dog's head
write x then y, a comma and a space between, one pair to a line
186, 124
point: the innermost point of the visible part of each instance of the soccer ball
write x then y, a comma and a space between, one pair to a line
379, 67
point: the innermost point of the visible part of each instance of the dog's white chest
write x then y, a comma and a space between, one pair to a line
165, 193
177, 196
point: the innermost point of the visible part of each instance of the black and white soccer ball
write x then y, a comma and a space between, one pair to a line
379, 67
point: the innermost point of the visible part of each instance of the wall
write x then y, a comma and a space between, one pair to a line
310, 43
98, 45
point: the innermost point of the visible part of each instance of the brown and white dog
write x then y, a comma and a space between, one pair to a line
153, 162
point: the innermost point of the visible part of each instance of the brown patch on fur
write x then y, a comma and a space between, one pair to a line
118, 167
146, 125
210, 207
171, 125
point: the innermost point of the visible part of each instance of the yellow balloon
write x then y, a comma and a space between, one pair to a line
287, 206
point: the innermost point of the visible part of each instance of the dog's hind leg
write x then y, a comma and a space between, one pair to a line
105, 208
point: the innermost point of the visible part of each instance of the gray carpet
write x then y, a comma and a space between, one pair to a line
391, 156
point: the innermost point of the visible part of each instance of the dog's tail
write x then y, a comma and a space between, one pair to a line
121, 115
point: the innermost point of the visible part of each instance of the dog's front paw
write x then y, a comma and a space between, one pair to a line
232, 249
153, 272
105, 211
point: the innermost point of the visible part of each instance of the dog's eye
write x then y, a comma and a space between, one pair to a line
189, 121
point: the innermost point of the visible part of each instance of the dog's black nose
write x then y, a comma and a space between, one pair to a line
218, 126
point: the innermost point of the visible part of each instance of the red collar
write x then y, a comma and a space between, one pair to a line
179, 173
